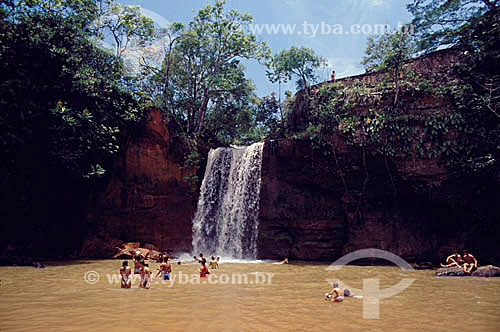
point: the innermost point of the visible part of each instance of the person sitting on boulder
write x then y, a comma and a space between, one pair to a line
470, 262
125, 274
453, 260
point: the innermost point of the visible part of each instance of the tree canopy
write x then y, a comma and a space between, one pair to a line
439, 22
299, 62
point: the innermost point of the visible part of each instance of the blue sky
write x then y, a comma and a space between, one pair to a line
343, 51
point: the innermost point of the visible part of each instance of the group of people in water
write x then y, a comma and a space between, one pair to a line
468, 262
213, 264
142, 268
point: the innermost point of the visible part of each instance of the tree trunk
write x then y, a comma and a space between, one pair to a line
202, 110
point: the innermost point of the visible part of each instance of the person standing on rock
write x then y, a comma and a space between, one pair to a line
453, 260
125, 274
470, 262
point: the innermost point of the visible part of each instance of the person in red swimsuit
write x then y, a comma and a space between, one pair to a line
203, 270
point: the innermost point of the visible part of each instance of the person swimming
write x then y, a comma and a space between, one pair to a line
285, 261
336, 294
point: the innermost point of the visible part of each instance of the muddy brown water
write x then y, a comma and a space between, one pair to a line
58, 298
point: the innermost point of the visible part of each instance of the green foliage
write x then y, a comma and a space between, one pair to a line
439, 22
61, 94
203, 77
192, 164
464, 136
126, 24
388, 51
299, 62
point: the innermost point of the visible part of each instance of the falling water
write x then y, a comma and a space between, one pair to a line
226, 220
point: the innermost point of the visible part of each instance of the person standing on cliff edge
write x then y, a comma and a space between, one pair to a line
332, 76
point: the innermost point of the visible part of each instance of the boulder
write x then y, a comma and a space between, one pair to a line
487, 271
453, 271
127, 253
482, 271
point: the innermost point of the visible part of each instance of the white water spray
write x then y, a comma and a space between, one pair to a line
226, 220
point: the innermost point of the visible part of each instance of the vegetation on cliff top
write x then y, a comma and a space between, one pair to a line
464, 135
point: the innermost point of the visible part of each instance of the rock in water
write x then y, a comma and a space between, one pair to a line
487, 271
453, 271
482, 271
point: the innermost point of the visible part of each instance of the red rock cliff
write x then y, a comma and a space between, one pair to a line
146, 199
319, 207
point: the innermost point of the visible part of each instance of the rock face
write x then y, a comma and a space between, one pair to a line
146, 199
321, 202
482, 271
310, 210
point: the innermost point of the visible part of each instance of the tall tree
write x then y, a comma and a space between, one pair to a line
207, 59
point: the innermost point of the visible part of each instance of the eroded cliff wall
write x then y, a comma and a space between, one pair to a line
146, 199
319, 203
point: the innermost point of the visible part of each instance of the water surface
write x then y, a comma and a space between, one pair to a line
58, 298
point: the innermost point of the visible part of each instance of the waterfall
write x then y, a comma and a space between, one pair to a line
226, 220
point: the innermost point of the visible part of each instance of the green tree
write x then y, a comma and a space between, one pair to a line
299, 62
206, 62
438, 22
156, 63
389, 52
126, 24
65, 105
57, 83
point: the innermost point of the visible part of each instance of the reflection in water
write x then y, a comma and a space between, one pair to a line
58, 299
